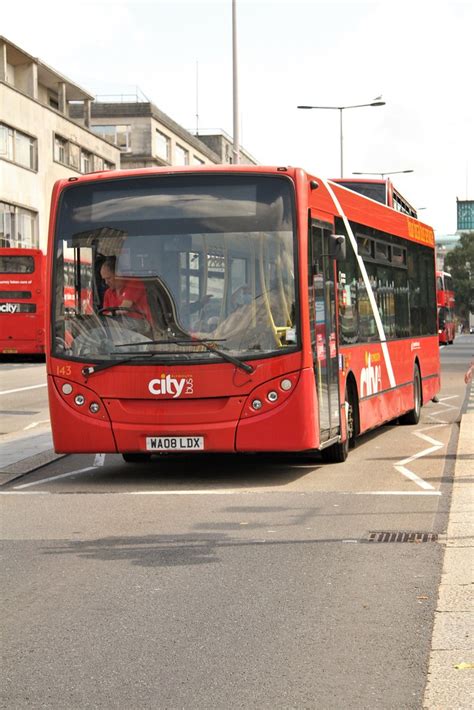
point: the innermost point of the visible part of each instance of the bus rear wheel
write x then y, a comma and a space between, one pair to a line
413, 415
136, 458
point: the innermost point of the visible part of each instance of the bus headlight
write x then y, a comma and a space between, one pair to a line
79, 399
269, 395
94, 407
66, 388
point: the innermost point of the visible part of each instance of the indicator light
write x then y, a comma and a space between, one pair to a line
272, 396
285, 385
79, 399
94, 407
66, 388
257, 404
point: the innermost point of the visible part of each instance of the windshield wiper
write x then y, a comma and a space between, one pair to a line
89, 370
208, 344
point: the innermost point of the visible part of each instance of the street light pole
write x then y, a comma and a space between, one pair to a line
376, 102
341, 142
236, 147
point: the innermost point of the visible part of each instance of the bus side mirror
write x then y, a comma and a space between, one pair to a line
337, 247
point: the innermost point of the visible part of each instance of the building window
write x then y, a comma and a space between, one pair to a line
18, 147
197, 161
86, 161
74, 156
117, 135
18, 226
162, 145
181, 155
60, 149
78, 158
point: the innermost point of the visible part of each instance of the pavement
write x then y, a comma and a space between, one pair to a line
450, 683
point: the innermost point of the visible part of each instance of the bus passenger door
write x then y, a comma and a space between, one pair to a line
323, 328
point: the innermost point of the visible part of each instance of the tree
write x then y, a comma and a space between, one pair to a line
460, 263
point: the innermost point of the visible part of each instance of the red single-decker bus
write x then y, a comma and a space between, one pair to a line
285, 313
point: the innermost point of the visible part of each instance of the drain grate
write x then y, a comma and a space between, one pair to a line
401, 536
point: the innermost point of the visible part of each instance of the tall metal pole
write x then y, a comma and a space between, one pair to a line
236, 149
197, 98
341, 140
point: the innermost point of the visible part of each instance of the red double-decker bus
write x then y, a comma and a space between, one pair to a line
285, 313
22, 326
445, 302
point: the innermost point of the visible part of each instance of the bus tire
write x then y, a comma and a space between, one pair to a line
136, 458
413, 415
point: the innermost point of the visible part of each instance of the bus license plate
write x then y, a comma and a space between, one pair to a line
174, 443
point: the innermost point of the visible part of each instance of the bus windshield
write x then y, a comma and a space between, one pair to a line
144, 262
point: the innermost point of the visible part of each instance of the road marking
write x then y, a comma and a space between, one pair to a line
413, 477
35, 424
26, 493
401, 466
221, 492
99, 459
399, 493
442, 400
54, 478
23, 389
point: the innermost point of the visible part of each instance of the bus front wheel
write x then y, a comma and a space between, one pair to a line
337, 453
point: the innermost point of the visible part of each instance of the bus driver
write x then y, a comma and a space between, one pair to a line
128, 294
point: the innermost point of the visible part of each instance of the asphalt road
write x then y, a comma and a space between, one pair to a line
246, 582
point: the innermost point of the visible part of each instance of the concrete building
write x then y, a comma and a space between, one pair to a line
147, 137
223, 145
51, 128
40, 143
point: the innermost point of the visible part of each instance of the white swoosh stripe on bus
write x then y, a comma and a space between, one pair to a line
367, 284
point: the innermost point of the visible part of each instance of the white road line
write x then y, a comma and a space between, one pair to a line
25, 493
54, 478
221, 492
399, 493
210, 493
420, 454
35, 424
23, 389
413, 477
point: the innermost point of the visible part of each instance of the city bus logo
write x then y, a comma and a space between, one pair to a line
168, 385
9, 307
371, 375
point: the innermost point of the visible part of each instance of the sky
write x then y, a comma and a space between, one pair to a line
417, 54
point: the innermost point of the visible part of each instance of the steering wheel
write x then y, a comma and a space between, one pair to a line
111, 311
